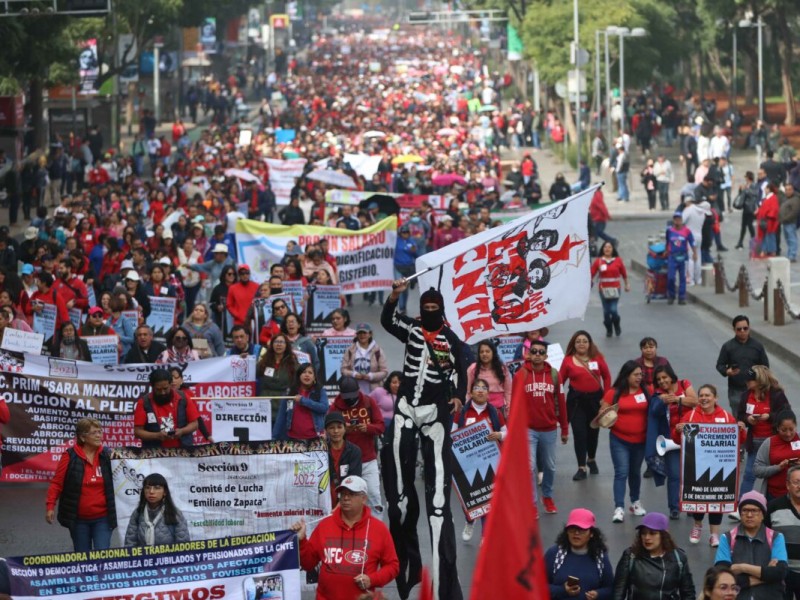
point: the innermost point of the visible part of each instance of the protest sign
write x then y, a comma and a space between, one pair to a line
331, 352
262, 312
47, 396
241, 420
709, 467
252, 566
475, 463
16, 340
297, 291
303, 358
44, 321
132, 317
321, 301
162, 314
506, 348
103, 348
76, 317
364, 258
527, 274
282, 174
229, 489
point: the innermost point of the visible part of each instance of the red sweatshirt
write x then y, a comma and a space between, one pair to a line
74, 289
92, 503
762, 429
365, 411
585, 378
631, 425
610, 272
546, 406
341, 550
240, 297
51, 297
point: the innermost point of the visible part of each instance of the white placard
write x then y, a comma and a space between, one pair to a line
16, 340
232, 420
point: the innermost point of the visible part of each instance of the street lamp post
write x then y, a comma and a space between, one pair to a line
746, 23
624, 32
597, 83
577, 82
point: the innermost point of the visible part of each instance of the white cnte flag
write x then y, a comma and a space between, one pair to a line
527, 274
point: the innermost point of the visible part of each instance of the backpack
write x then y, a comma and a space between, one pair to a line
735, 531
493, 417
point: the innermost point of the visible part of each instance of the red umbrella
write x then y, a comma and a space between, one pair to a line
448, 179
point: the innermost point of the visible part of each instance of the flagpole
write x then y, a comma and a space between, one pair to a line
411, 278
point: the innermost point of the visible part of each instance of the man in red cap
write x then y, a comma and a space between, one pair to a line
432, 387
240, 295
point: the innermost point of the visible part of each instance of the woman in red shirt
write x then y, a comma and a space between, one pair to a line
627, 436
767, 220
706, 411
588, 375
610, 267
764, 400
777, 454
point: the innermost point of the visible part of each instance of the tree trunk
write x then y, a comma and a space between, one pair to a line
723, 73
750, 75
786, 50
37, 113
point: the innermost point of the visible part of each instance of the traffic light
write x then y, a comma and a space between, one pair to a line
86, 6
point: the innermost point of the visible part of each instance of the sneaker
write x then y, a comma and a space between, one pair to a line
734, 516
694, 536
580, 475
619, 515
466, 535
681, 302
592, 464
637, 509
674, 515
713, 540
549, 506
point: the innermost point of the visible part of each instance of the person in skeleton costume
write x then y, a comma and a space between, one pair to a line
433, 387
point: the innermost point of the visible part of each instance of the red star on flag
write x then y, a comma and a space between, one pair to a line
563, 252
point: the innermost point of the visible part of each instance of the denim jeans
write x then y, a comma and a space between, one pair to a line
622, 187
627, 459
543, 444
673, 464
769, 243
91, 535
609, 308
600, 231
749, 477
790, 232
663, 194
676, 268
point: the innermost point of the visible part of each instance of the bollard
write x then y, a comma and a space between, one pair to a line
766, 305
743, 298
705, 274
719, 284
778, 313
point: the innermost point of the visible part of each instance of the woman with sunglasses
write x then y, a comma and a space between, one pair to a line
273, 326
179, 347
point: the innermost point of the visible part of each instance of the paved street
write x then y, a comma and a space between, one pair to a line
688, 335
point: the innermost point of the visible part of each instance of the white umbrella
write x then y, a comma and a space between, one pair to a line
242, 174
374, 134
446, 132
333, 178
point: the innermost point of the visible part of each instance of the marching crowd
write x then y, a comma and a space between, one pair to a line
119, 239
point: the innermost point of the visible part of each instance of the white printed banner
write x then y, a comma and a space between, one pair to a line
103, 348
282, 175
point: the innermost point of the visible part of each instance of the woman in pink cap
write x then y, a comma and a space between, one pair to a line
578, 565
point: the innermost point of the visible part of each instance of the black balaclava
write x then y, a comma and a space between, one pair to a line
432, 320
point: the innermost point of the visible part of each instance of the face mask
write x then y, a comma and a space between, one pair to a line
275, 291
432, 320
415, 219
351, 402
68, 340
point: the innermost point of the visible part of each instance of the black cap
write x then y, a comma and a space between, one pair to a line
334, 417
348, 387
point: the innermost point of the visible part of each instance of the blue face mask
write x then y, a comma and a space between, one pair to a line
415, 219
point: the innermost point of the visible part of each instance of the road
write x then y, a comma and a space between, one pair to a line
688, 336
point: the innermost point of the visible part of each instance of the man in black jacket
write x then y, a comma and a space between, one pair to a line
736, 357
344, 458
144, 349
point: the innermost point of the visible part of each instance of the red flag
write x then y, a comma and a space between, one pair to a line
511, 559
426, 588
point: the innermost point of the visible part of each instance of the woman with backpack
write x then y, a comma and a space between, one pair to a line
577, 564
653, 568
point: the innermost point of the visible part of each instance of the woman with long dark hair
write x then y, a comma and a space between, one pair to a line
303, 417
490, 367
386, 396
653, 567
217, 303
180, 348
294, 330
627, 436
610, 268
156, 520
588, 375
580, 552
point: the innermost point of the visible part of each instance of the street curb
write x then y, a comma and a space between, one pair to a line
773, 347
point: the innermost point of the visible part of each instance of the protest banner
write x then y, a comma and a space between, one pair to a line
44, 321
476, 460
527, 274
331, 352
229, 489
506, 348
132, 317
709, 467
76, 317
47, 396
364, 258
251, 566
321, 301
103, 348
282, 174
162, 314
241, 420
16, 340
297, 291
